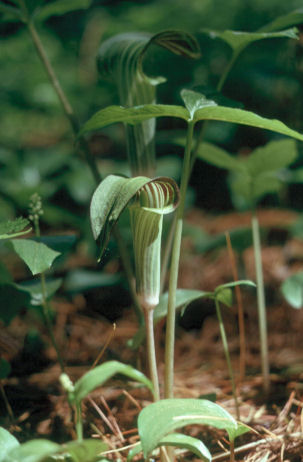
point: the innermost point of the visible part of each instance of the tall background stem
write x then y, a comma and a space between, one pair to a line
174, 270
261, 301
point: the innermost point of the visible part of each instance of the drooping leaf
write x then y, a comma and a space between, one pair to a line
292, 289
160, 418
273, 156
7, 443
36, 255
178, 440
281, 22
34, 288
60, 7
14, 228
183, 298
114, 114
219, 157
33, 451
100, 374
239, 40
12, 301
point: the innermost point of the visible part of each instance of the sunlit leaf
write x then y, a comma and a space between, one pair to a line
100, 374
194, 101
60, 7
36, 255
239, 40
160, 418
281, 22
7, 443
292, 289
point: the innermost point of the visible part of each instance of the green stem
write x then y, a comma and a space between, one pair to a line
79, 423
227, 356
48, 321
151, 351
68, 110
261, 301
174, 269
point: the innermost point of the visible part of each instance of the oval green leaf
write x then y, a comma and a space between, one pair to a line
37, 256
33, 451
83, 451
160, 418
292, 289
100, 374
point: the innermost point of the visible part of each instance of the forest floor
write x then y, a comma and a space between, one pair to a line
39, 405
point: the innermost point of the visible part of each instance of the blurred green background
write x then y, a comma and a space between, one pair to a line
37, 150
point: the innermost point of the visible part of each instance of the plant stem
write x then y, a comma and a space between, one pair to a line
68, 110
226, 351
261, 301
227, 69
151, 351
174, 269
7, 403
79, 423
48, 321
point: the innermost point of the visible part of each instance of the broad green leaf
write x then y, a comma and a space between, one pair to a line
12, 301
33, 451
34, 288
194, 101
5, 369
132, 115
120, 59
163, 417
253, 189
100, 374
238, 40
60, 7
7, 443
114, 114
219, 157
225, 296
14, 228
273, 156
281, 22
178, 440
242, 117
292, 289
83, 451
36, 255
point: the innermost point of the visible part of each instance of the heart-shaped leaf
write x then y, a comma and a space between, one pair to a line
36, 255
162, 417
